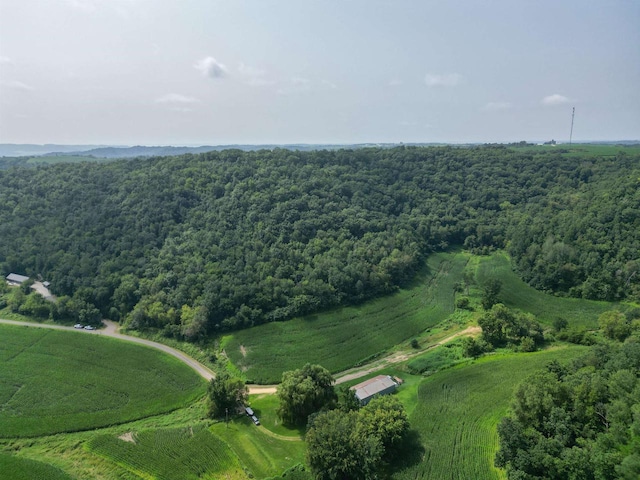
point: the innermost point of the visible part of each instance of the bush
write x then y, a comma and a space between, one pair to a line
462, 302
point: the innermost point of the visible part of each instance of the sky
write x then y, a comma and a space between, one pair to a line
209, 72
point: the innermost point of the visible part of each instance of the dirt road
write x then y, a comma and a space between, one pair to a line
111, 330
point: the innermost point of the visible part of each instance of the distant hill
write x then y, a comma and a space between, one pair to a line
106, 151
163, 151
30, 150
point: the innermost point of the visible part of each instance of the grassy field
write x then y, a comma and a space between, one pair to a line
458, 410
349, 336
265, 406
517, 294
261, 453
53, 381
171, 454
345, 337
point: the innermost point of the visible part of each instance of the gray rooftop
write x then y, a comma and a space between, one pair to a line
373, 386
14, 277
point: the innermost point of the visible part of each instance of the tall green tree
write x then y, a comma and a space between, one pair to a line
384, 417
490, 293
355, 444
226, 394
336, 452
303, 392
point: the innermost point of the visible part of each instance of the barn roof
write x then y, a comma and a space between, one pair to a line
14, 277
373, 386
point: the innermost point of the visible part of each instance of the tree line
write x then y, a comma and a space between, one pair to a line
196, 244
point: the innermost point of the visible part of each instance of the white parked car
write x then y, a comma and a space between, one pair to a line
78, 325
255, 419
89, 327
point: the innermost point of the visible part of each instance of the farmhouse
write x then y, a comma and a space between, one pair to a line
15, 279
380, 385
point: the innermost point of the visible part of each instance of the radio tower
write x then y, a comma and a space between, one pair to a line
573, 113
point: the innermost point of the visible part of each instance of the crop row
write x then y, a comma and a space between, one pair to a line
168, 454
67, 381
458, 411
341, 338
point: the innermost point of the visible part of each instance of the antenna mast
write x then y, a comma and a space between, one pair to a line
573, 113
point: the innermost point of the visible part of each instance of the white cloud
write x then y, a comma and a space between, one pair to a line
16, 85
493, 106
5, 60
442, 80
555, 99
210, 67
395, 82
176, 98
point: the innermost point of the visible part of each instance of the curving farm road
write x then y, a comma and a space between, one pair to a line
111, 330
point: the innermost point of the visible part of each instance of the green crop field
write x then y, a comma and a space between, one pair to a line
345, 337
16, 468
171, 454
517, 294
259, 451
53, 381
458, 411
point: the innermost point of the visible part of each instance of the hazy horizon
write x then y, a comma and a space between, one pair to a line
205, 72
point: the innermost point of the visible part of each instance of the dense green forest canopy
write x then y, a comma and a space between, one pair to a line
580, 420
195, 244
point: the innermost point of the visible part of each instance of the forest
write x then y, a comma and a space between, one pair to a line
192, 245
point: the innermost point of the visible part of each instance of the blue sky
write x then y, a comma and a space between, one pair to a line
159, 72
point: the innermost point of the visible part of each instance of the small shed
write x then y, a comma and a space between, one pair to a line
380, 385
15, 279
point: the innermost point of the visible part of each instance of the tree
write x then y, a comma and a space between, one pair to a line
225, 392
303, 392
500, 326
490, 293
615, 325
336, 452
472, 347
347, 400
384, 417
354, 444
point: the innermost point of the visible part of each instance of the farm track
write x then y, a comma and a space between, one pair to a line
111, 331
207, 374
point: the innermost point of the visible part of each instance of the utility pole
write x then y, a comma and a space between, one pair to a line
573, 113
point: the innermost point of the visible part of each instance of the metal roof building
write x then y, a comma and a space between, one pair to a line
16, 279
380, 385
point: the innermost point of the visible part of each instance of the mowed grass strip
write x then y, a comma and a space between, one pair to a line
262, 454
458, 411
344, 337
16, 468
189, 453
515, 293
53, 381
